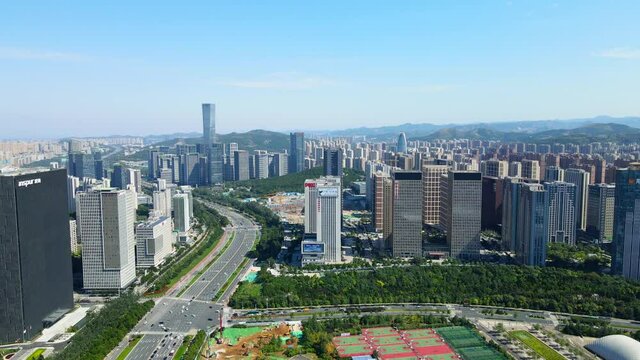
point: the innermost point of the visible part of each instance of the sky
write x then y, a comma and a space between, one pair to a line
90, 68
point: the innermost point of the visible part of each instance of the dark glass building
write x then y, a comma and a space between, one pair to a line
332, 162
296, 152
36, 286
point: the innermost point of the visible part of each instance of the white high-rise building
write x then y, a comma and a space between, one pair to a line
162, 203
329, 218
73, 234
530, 169
182, 216
561, 200
495, 168
106, 226
73, 183
431, 193
310, 206
154, 240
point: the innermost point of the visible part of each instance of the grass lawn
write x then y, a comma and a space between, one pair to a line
183, 348
536, 345
4, 352
123, 355
34, 355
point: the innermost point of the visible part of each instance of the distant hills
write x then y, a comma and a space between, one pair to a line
583, 134
479, 130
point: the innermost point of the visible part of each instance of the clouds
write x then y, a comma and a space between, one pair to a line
11, 53
282, 81
627, 53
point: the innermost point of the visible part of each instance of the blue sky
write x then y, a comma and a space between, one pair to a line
143, 67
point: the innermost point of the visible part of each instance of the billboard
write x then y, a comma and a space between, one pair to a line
328, 192
312, 248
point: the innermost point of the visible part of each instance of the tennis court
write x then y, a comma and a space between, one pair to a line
348, 340
468, 343
387, 340
379, 331
395, 351
354, 350
419, 333
427, 342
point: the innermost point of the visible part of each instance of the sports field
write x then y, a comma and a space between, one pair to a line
387, 340
419, 333
536, 345
468, 343
354, 350
379, 331
348, 340
434, 341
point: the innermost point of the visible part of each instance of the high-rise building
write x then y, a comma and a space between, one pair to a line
329, 218
261, 166
119, 177
626, 223
515, 169
600, 210
580, 179
431, 193
106, 225
296, 152
531, 169
134, 178
73, 184
212, 149
278, 164
561, 200
510, 206
190, 172
241, 164
495, 168
310, 206
532, 233
464, 208
162, 202
73, 234
401, 145
378, 200
36, 284
229, 161
553, 173
182, 216
387, 212
332, 161
406, 237
153, 242
209, 124
154, 159
491, 202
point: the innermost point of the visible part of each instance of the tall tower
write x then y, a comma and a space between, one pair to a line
464, 208
532, 237
329, 218
35, 263
106, 223
600, 211
213, 150
580, 179
561, 200
401, 146
407, 214
332, 162
296, 152
626, 223
431, 193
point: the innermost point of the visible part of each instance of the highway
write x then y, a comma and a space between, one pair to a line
175, 316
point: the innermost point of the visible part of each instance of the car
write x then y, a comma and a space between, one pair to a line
210, 319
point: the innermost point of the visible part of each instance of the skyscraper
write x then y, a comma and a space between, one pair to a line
241, 163
553, 173
510, 206
561, 199
491, 202
213, 150
532, 233
119, 177
531, 169
580, 179
329, 218
378, 200
261, 166
310, 206
406, 238
153, 242
401, 145
600, 211
431, 193
515, 169
626, 223
332, 162
464, 209
105, 222
182, 217
36, 284
209, 124
296, 152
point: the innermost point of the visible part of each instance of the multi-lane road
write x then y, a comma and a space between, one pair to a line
191, 306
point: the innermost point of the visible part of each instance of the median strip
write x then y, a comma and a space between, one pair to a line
230, 280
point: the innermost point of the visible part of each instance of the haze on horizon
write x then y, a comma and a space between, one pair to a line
73, 68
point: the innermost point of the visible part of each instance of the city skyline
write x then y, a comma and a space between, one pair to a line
418, 62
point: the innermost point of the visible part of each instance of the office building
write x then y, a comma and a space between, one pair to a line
154, 160
532, 231
181, 212
431, 175
106, 226
401, 145
495, 168
310, 206
162, 202
406, 237
191, 170
510, 206
329, 218
491, 202
377, 213
35, 265
561, 200
134, 179
241, 163
154, 240
530, 169
73, 184
73, 235
261, 166
119, 177
600, 210
463, 213
296, 152
212, 149
332, 162
626, 223
581, 180
278, 164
